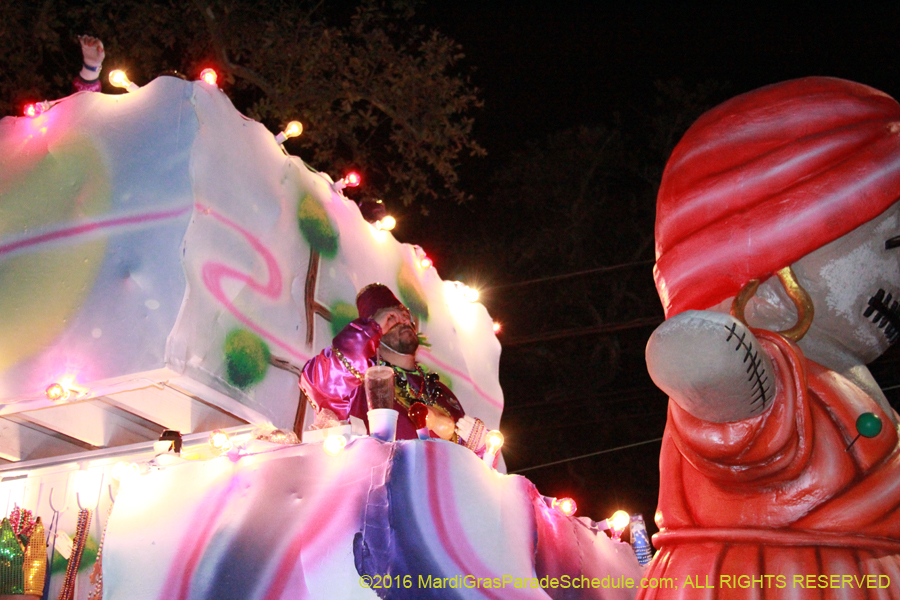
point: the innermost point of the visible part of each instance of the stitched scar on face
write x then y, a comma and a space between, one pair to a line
756, 371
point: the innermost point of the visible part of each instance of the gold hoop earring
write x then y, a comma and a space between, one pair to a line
799, 296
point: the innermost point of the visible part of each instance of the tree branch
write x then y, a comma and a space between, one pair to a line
218, 42
391, 114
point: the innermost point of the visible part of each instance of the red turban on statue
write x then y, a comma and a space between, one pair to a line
766, 178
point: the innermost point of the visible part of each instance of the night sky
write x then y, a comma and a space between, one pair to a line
547, 67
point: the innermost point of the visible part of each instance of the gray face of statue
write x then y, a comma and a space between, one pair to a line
854, 283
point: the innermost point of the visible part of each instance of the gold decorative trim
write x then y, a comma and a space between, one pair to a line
347, 364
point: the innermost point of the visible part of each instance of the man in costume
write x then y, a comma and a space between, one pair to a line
334, 380
778, 258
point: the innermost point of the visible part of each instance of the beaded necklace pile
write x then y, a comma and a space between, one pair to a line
404, 393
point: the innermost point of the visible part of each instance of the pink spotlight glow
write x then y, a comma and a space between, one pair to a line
352, 179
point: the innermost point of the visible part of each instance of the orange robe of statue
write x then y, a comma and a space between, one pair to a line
764, 508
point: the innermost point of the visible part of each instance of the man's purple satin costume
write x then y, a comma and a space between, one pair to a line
330, 385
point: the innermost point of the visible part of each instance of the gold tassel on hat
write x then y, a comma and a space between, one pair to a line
35, 568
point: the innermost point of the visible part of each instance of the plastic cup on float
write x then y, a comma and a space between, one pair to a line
380, 397
383, 424
379, 387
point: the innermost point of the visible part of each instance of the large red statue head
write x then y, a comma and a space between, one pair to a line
766, 178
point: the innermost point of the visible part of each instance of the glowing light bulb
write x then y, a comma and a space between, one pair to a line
494, 441
35, 109
124, 470
470, 294
86, 485
334, 444
56, 391
386, 224
293, 129
497, 326
119, 79
351, 179
566, 506
209, 76
219, 441
426, 262
619, 521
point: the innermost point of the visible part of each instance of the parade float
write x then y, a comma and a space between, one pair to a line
166, 269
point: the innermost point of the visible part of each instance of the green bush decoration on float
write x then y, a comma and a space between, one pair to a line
316, 227
246, 358
411, 293
341, 314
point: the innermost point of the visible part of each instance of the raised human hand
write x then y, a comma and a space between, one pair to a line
440, 423
473, 431
92, 50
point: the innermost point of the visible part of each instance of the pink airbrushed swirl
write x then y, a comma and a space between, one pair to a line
215, 273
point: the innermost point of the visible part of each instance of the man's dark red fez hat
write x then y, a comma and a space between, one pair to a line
373, 298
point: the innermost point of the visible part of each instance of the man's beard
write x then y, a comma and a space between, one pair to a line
401, 338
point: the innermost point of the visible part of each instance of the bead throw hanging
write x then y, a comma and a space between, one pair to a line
97, 575
81, 534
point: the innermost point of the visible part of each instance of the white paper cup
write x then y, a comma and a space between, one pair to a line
383, 424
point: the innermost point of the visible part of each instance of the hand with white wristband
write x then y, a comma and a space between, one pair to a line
93, 54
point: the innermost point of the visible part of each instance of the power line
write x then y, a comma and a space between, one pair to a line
607, 269
592, 422
565, 460
564, 396
599, 452
577, 331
